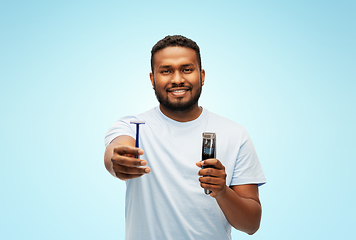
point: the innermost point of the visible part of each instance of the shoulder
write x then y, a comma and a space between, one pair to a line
224, 123
227, 129
145, 116
123, 126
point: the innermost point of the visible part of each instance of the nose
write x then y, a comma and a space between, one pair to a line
177, 78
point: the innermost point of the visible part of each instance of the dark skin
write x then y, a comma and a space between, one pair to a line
175, 66
120, 159
240, 204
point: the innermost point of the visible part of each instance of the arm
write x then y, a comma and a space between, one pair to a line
240, 204
241, 207
120, 161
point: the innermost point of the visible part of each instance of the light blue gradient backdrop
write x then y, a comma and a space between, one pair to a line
284, 70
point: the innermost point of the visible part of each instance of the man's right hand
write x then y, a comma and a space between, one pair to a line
125, 165
120, 159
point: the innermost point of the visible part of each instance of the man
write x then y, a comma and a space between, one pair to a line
164, 187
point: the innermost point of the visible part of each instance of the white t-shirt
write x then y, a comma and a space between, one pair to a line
168, 203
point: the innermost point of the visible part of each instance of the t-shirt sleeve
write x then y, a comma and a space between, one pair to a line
247, 168
119, 128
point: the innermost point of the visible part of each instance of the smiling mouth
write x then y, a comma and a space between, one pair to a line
178, 92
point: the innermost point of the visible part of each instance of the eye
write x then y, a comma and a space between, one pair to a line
165, 71
187, 70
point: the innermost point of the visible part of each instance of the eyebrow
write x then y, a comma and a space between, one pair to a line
184, 65
164, 66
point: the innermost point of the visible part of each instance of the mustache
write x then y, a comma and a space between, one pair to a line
182, 85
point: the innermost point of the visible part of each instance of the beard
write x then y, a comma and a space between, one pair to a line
178, 105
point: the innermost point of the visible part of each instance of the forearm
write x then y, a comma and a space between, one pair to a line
107, 159
243, 214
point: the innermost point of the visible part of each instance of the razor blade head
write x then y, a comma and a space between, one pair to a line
136, 121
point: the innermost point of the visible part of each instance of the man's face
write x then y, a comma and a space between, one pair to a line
177, 79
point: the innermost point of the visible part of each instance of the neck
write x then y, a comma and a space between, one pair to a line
182, 116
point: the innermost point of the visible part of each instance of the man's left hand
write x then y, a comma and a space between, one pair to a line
214, 177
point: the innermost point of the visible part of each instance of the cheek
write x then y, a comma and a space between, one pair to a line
161, 81
160, 86
194, 80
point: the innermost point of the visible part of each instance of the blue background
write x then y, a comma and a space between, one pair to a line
285, 70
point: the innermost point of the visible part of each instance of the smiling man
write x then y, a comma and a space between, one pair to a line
177, 80
164, 186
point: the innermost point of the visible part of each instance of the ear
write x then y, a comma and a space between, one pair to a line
202, 75
152, 80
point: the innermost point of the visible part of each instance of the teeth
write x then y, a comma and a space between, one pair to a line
178, 90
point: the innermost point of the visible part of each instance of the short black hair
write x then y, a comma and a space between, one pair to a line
174, 41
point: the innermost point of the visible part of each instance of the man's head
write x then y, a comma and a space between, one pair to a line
174, 41
176, 76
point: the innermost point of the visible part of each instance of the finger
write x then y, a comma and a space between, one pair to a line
131, 170
127, 176
215, 163
127, 161
128, 150
210, 187
129, 155
212, 172
208, 180
215, 189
